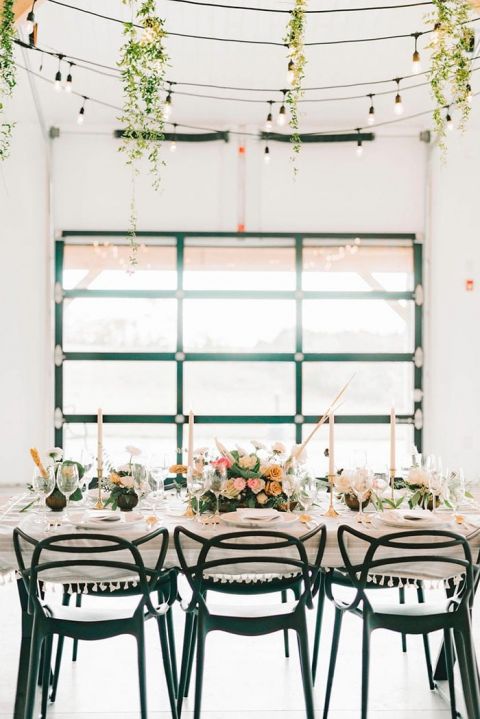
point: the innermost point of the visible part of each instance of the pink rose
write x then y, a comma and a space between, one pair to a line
239, 483
222, 463
256, 484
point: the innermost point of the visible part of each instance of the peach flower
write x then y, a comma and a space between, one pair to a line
273, 489
256, 484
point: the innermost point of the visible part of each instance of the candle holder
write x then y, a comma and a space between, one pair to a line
392, 482
99, 504
331, 512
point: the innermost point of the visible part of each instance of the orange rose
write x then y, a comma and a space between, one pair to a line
274, 472
115, 478
178, 469
273, 489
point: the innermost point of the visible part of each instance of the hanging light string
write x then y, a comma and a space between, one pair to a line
335, 131
273, 43
171, 84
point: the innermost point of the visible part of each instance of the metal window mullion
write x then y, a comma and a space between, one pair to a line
418, 371
298, 334
180, 353
58, 339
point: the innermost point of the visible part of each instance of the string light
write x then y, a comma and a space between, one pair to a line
68, 86
469, 94
359, 149
436, 32
269, 120
173, 144
398, 106
266, 155
371, 110
81, 113
416, 62
290, 72
167, 110
29, 24
282, 114
448, 120
58, 77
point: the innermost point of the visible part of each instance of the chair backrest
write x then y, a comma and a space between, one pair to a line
74, 556
258, 556
412, 554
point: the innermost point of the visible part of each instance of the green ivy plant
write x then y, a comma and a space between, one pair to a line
294, 40
450, 63
143, 63
7, 72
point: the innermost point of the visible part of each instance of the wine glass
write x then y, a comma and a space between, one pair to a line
140, 481
43, 486
67, 480
289, 482
307, 491
159, 472
196, 487
361, 483
456, 489
215, 480
86, 460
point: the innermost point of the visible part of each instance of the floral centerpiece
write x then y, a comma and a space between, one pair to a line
373, 488
123, 483
423, 488
56, 501
254, 478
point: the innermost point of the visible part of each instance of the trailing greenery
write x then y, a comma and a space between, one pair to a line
294, 39
143, 63
450, 63
7, 72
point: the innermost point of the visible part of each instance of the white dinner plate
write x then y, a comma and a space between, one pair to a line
279, 520
111, 521
410, 519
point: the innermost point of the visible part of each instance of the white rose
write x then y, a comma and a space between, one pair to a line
279, 448
343, 483
127, 482
248, 461
419, 476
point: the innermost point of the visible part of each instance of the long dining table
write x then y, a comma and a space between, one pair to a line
11, 516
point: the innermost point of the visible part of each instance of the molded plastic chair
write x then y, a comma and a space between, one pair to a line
246, 563
110, 556
423, 553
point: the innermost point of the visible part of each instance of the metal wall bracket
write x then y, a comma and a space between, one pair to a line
58, 355
418, 419
418, 357
58, 418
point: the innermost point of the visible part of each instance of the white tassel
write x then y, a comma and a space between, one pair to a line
382, 581
94, 587
85, 589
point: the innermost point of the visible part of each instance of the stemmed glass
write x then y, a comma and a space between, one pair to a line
362, 482
455, 489
86, 460
289, 482
196, 487
67, 481
44, 486
215, 479
307, 492
159, 472
140, 480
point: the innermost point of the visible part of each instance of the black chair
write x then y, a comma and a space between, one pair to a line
405, 554
38, 563
246, 563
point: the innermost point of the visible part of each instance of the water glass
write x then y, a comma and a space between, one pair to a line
307, 492
159, 473
196, 487
288, 486
362, 483
67, 480
215, 479
455, 488
43, 486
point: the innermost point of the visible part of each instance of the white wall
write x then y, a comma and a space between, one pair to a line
25, 390
453, 328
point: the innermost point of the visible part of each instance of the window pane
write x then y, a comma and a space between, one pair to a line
104, 267
352, 440
354, 267
239, 387
239, 325
116, 324
119, 387
242, 434
239, 268
375, 387
358, 326
150, 438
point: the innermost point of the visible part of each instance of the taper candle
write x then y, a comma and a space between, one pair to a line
99, 441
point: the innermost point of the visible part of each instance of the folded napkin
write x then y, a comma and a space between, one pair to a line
264, 515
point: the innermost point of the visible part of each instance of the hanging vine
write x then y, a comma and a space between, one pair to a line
7, 72
450, 70
294, 40
143, 64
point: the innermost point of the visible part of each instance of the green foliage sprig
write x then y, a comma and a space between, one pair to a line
143, 64
7, 72
450, 63
294, 39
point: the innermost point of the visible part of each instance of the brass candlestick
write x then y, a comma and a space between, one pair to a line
99, 504
331, 509
392, 482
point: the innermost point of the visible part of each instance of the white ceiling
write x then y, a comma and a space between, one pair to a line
195, 60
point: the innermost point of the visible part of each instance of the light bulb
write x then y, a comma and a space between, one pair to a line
371, 115
266, 155
469, 95
290, 72
436, 32
269, 122
167, 108
58, 81
81, 116
68, 86
29, 24
398, 104
173, 146
282, 116
449, 122
416, 63
359, 149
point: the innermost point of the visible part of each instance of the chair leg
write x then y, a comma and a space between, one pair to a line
468, 668
318, 626
191, 654
34, 664
172, 648
78, 604
187, 640
365, 667
447, 640
47, 672
401, 595
337, 628
285, 631
426, 645
58, 656
142, 682
302, 640
167, 664
201, 638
